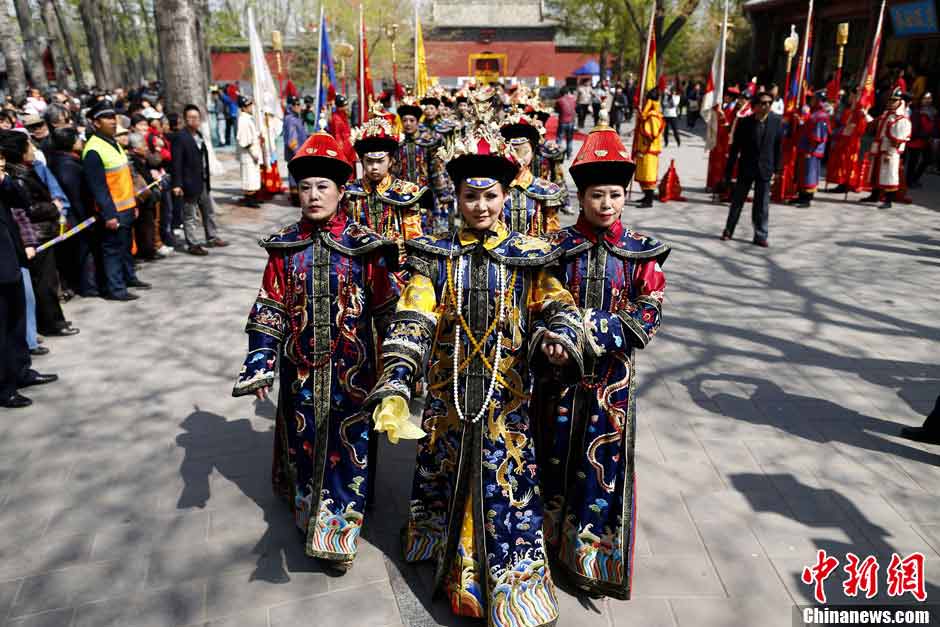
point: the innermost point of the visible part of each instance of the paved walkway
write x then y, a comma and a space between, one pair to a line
136, 490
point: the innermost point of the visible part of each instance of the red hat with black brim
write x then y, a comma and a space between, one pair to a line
602, 160
320, 156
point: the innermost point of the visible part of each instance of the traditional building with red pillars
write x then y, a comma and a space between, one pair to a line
490, 39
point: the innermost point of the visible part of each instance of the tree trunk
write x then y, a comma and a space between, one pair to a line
150, 50
202, 31
664, 38
117, 32
37, 71
13, 54
77, 70
101, 62
55, 43
180, 52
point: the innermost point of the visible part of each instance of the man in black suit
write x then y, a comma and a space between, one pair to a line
929, 432
191, 181
757, 142
14, 353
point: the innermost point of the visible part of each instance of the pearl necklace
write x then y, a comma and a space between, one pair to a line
501, 287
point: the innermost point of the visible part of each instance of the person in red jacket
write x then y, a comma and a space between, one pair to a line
341, 130
925, 128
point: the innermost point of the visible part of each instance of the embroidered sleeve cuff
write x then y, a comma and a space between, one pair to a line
395, 381
258, 371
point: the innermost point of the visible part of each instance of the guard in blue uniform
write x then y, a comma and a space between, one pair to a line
811, 148
295, 134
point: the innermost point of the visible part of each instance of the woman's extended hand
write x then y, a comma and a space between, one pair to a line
556, 353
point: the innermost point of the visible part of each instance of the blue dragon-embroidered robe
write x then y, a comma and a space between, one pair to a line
587, 446
476, 506
324, 287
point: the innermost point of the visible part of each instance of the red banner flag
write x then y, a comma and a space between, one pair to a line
366, 92
867, 96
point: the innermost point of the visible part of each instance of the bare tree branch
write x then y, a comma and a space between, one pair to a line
633, 18
685, 11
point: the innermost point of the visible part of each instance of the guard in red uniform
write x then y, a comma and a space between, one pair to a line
845, 164
718, 155
340, 129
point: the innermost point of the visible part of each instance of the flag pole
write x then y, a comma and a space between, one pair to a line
642, 89
801, 71
320, 63
646, 62
720, 86
362, 89
416, 46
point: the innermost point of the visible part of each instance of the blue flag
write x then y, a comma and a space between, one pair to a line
327, 73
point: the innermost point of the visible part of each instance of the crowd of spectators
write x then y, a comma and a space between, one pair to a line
133, 177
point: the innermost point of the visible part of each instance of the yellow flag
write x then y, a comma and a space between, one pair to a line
421, 65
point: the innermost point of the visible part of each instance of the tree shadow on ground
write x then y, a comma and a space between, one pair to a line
235, 450
241, 455
865, 538
807, 417
919, 252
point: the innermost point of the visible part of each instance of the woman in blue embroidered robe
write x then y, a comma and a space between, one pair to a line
325, 286
484, 317
616, 279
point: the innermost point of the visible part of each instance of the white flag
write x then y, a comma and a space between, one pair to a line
268, 113
715, 87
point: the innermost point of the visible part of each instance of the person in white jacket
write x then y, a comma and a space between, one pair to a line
671, 115
249, 152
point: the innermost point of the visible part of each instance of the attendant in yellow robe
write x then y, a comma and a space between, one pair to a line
648, 144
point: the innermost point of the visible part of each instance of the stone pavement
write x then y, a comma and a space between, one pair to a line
136, 490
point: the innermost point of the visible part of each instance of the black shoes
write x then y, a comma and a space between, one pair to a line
141, 285
34, 378
197, 250
760, 242
63, 332
39, 350
15, 401
889, 198
802, 201
920, 434
725, 236
125, 296
872, 197
647, 201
